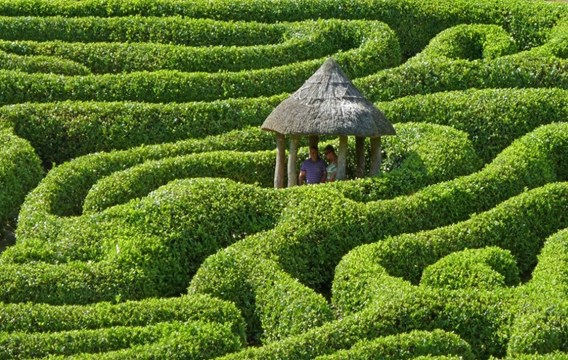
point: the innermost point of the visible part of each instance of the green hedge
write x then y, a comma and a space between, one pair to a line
430, 75
20, 172
63, 130
380, 50
361, 278
415, 22
300, 41
40, 318
493, 118
419, 155
138, 249
193, 340
36, 330
274, 304
382, 304
60, 131
473, 268
41, 64
418, 77
135, 182
173, 30
309, 247
406, 346
542, 328
470, 42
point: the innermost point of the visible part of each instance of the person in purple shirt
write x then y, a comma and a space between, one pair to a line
313, 170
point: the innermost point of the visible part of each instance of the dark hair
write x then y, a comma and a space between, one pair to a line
314, 147
329, 148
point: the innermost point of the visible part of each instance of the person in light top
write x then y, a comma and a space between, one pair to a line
331, 157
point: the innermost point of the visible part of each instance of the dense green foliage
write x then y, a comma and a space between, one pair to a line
20, 171
138, 219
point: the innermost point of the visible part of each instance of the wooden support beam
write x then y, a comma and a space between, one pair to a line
292, 158
342, 158
279, 171
375, 156
360, 156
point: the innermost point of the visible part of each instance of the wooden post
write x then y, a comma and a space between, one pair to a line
280, 161
375, 156
360, 155
292, 157
341, 158
313, 140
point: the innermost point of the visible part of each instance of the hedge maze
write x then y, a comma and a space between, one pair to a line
138, 218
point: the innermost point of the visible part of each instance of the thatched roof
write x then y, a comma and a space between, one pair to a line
328, 104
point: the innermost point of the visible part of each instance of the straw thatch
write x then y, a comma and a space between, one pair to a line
328, 104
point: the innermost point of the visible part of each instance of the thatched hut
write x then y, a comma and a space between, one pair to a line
327, 104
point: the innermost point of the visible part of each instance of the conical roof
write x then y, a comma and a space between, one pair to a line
328, 104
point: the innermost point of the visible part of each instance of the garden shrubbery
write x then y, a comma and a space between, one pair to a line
36, 330
172, 244
20, 171
41, 64
299, 42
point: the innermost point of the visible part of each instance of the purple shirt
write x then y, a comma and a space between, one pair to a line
314, 170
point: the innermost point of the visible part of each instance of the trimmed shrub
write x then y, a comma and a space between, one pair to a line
381, 46
36, 330
425, 76
415, 22
274, 304
542, 327
406, 346
300, 42
193, 340
173, 30
138, 249
469, 42
41, 64
20, 171
478, 316
493, 118
473, 268
253, 168
429, 153
60, 131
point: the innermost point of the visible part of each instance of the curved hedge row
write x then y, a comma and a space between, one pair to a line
434, 75
407, 346
470, 42
418, 77
484, 268
414, 21
173, 30
310, 250
543, 303
37, 330
135, 182
20, 172
147, 247
300, 41
41, 64
380, 45
173, 340
77, 236
60, 131
493, 118
362, 277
